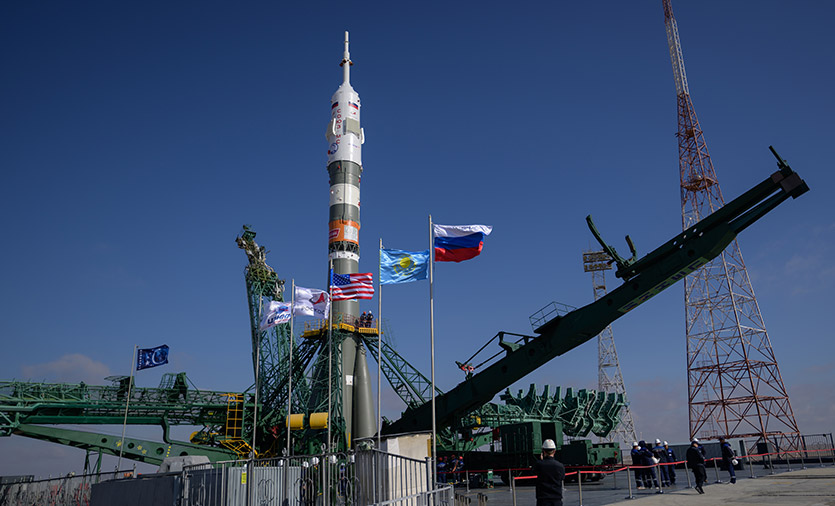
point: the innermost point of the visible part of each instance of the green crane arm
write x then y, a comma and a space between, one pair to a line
645, 278
141, 450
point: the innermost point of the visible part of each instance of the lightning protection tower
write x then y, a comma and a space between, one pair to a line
734, 384
609, 377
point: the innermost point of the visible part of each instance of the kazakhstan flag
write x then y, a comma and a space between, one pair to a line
398, 266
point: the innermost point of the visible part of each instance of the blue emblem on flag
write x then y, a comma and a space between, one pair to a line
152, 357
398, 266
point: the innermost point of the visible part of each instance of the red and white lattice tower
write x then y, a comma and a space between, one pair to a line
609, 377
734, 384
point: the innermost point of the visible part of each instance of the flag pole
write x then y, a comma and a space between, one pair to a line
330, 349
127, 403
379, 342
432, 340
290, 366
257, 378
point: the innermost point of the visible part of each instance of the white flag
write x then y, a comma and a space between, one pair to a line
277, 312
311, 302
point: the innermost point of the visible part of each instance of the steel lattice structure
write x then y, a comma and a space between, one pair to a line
609, 376
734, 384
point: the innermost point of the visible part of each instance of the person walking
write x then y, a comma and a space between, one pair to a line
696, 461
671, 460
728, 458
550, 474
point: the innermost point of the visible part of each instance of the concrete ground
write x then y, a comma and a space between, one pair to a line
809, 487
814, 486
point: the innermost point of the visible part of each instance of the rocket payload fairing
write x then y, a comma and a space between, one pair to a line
345, 138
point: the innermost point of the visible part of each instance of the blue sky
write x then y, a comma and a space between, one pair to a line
137, 137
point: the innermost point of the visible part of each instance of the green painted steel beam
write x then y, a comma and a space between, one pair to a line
408, 383
646, 277
31, 402
141, 450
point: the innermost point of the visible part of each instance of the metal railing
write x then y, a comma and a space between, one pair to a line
70, 490
360, 478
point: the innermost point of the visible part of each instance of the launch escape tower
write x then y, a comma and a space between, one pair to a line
734, 384
609, 377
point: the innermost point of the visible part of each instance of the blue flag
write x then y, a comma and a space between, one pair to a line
398, 266
152, 357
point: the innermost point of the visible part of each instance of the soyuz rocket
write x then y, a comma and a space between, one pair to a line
345, 137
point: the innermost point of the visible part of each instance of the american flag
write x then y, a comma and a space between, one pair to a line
352, 286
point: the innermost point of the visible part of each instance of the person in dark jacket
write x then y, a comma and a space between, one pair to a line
728, 457
636, 461
549, 476
696, 461
660, 455
671, 459
650, 479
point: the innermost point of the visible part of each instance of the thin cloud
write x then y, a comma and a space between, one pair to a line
71, 368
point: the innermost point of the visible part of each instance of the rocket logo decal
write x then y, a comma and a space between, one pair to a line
333, 147
320, 299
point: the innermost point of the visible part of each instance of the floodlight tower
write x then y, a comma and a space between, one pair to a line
609, 377
734, 384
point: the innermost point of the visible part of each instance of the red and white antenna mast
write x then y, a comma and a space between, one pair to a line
734, 384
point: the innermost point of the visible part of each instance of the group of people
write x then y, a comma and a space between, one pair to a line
366, 320
450, 469
647, 457
696, 461
550, 473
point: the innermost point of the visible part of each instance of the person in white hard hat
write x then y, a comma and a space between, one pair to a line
637, 458
696, 462
671, 459
650, 479
550, 474
660, 455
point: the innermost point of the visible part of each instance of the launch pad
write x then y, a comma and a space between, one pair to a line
313, 392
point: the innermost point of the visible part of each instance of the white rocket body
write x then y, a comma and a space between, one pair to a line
345, 136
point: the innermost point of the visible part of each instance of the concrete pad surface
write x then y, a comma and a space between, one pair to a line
814, 486
808, 487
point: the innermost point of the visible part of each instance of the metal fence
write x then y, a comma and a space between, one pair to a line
70, 490
355, 478
365, 477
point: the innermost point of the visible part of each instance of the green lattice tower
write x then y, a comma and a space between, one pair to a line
271, 347
312, 440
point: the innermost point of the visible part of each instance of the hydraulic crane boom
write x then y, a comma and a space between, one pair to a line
644, 278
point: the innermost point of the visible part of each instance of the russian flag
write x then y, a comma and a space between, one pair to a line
456, 243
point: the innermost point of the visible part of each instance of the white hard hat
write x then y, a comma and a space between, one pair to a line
658, 441
635, 443
665, 443
734, 462
694, 440
548, 444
